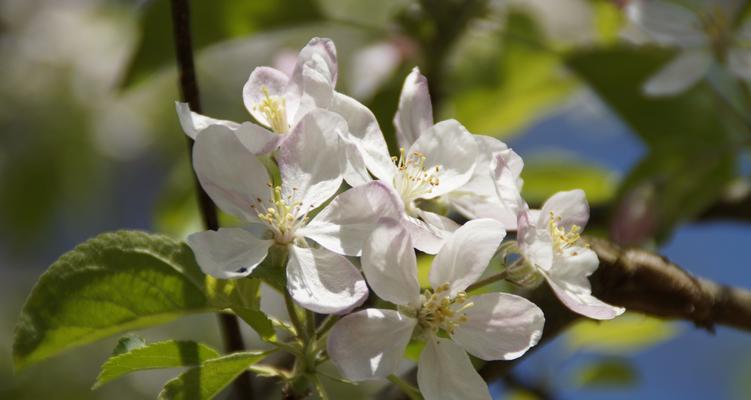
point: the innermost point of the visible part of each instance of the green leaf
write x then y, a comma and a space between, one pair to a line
112, 283
545, 176
607, 373
211, 22
127, 343
257, 320
208, 379
167, 354
624, 335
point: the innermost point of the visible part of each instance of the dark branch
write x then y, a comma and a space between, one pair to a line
233, 340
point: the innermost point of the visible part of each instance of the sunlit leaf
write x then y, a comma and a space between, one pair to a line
207, 380
167, 354
112, 283
625, 334
607, 373
127, 343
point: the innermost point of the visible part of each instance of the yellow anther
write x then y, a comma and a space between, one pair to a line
274, 108
562, 238
441, 311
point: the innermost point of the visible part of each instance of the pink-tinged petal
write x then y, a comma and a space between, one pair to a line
667, 23
324, 282
569, 280
739, 62
366, 134
265, 81
310, 164
482, 182
500, 326
679, 74
438, 223
536, 244
369, 344
466, 254
345, 223
570, 206
257, 139
450, 147
415, 113
355, 170
228, 253
389, 264
425, 237
316, 92
193, 123
322, 52
231, 175
445, 372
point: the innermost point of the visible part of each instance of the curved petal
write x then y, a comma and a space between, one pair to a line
450, 147
309, 163
569, 280
369, 344
415, 113
466, 254
425, 237
257, 139
389, 264
345, 223
536, 244
355, 170
229, 252
679, 74
438, 223
263, 82
231, 175
367, 135
445, 372
500, 326
193, 122
667, 23
322, 52
739, 62
570, 206
481, 183
324, 282
316, 92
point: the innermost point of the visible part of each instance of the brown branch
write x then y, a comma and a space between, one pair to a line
643, 282
230, 327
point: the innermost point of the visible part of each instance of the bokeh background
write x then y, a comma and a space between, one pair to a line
89, 142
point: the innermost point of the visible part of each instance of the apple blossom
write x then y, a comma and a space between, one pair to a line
369, 344
551, 246
704, 36
318, 278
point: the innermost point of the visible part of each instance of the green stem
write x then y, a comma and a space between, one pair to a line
487, 281
310, 326
292, 312
412, 392
327, 324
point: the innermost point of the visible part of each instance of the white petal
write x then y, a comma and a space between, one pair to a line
679, 74
229, 173
261, 81
308, 162
193, 122
369, 344
536, 244
425, 237
569, 280
229, 252
466, 254
500, 326
322, 52
316, 92
570, 206
482, 183
449, 145
415, 112
257, 139
739, 62
324, 282
366, 134
389, 264
373, 66
445, 372
667, 23
355, 170
344, 224
443, 225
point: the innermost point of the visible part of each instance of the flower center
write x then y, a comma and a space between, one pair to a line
413, 179
283, 216
275, 110
562, 238
440, 311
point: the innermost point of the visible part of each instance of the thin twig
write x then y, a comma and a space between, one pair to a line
229, 325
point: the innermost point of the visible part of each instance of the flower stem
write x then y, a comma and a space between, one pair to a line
410, 391
487, 281
292, 312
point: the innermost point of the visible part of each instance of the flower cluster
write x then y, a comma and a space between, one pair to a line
282, 177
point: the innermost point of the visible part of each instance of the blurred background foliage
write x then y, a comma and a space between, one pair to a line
90, 142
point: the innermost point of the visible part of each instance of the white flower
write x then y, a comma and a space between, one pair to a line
318, 278
435, 160
704, 36
279, 102
369, 344
549, 241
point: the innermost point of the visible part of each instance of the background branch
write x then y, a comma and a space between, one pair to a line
230, 328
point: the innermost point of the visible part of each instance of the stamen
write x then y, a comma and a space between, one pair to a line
439, 311
413, 179
275, 110
563, 239
282, 216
